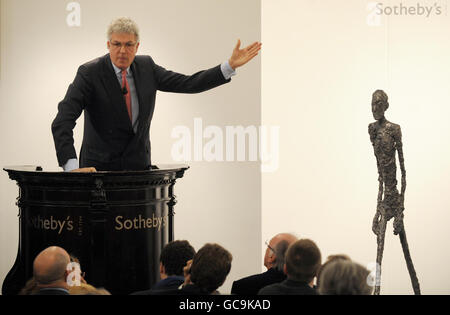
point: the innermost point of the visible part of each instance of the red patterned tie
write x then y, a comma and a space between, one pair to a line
128, 94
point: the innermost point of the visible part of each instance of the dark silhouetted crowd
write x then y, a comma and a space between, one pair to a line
294, 267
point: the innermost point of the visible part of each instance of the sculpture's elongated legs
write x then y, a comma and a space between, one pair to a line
409, 263
380, 248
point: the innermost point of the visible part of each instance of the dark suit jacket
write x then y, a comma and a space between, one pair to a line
288, 287
190, 289
252, 284
109, 142
51, 291
170, 283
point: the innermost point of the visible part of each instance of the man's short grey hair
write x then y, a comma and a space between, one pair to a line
123, 25
344, 277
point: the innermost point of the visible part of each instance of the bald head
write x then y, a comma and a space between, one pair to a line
278, 245
50, 265
290, 238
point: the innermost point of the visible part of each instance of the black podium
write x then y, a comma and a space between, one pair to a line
115, 223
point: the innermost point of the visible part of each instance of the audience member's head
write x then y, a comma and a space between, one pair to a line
76, 276
30, 288
50, 268
330, 259
344, 277
276, 250
174, 257
303, 260
210, 267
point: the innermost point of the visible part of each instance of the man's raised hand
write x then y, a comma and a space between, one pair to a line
241, 56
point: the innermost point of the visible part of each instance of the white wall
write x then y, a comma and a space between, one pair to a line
40, 53
321, 64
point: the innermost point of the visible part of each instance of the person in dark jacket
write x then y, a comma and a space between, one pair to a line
303, 260
273, 261
117, 94
205, 273
173, 259
50, 271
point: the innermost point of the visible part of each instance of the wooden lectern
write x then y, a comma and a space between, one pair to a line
115, 223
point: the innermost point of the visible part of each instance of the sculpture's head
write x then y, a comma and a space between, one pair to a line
379, 104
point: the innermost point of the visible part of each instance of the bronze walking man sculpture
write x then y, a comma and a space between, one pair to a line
386, 138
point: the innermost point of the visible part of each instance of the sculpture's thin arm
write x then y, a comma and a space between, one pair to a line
398, 221
399, 146
378, 216
380, 183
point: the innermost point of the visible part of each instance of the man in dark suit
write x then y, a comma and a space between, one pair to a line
273, 261
303, 260
173, 259
50, 271
117, 94
205, 273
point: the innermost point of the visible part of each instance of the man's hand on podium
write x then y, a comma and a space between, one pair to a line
85, 170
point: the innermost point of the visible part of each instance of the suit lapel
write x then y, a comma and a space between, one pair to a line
140, 88
114, 91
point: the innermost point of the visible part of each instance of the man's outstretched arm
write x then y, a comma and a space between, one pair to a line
169, 81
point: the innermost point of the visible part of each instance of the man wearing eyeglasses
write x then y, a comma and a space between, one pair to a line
273, 261
117, 94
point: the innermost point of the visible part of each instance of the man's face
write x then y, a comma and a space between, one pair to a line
378, 108
122, 49
269, 255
